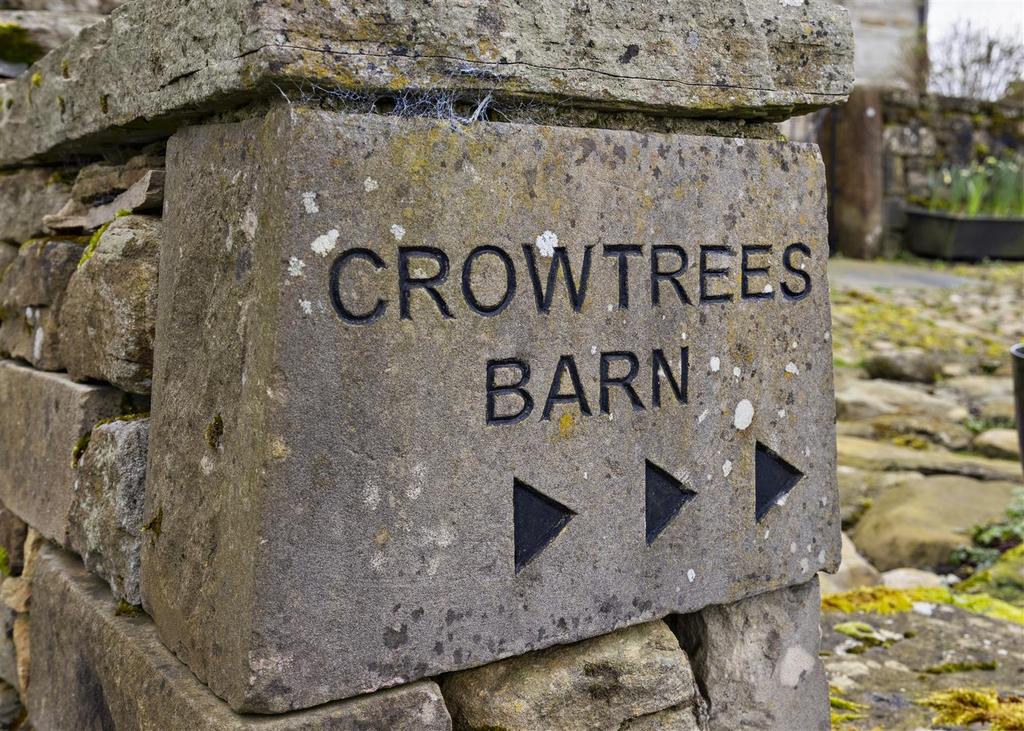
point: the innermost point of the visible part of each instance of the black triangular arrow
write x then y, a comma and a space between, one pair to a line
665, 495
773, 478
536, 520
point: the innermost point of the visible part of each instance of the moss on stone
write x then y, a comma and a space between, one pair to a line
16, 46
1003, 580
844, 710
94, 241
5, 562
966, 706
79, 449
126, 609
885, 600
963, 666
214, 431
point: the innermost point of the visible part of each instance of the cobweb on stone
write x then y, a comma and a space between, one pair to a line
459, 107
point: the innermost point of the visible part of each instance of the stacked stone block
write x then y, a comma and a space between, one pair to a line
144, 433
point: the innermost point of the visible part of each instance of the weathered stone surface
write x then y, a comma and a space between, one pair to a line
106, 513
94, 668
607, 682
81, 6
103, 191
11, 710
40, 273
312, 437
109, 315
26, 196
878, 456
908, 364
942, 647
754, 58
28, 35
757, 660
911, 578
8, 656
38, 446
919, 523
8, 253
910, 430
867, 399
854, 572
23, 653
31, 295
998, 443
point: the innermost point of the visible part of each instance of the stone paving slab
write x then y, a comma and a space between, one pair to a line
153, 63
374, 457
95, 668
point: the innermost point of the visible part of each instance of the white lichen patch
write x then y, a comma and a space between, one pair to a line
795, 664
307, 306
736, 371
703, 416
691, 575
397, 231
295, 266
370, 185
744, 414
325, 243
37, 343
782, 413
781, 501
309, 202
716, 364
821, 557
792, 369
249, 223
727, 468
768, 289
546, 243
805, 566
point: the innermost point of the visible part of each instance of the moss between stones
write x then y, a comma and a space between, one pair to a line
5, 562
134, 416
965, 666
885, 600
94, 241
153, 526
79, 449
16, 46
964, 706
125, 609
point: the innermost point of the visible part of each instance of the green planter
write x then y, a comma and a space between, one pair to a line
946, 236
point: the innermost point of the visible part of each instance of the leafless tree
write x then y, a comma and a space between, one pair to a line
976, 63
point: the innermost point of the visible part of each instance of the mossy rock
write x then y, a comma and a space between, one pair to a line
1003, 580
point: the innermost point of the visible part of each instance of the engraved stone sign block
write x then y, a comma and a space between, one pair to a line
426, 396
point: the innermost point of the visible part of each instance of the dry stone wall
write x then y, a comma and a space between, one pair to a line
188, 539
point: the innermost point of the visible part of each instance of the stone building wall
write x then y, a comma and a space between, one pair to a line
881, 148
112, 578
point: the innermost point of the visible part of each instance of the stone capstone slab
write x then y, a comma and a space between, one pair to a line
757, 660
108, 318
26, 196
614, 681
106, 514
93, 667
44, 419
374, 457
741, 58
27, 35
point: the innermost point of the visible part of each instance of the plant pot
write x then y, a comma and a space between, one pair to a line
947, 236
1017, 353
